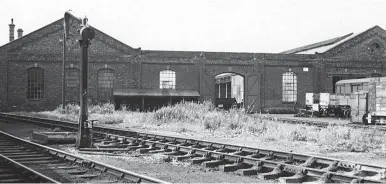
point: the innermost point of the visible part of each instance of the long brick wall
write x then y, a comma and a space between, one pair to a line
194, 70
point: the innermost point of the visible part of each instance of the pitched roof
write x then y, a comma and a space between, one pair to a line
325, 46
35, 34
316, 45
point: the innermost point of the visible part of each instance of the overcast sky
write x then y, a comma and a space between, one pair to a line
204, 25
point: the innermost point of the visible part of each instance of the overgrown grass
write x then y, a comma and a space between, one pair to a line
204, 119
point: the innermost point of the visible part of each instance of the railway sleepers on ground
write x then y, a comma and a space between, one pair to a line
266, 164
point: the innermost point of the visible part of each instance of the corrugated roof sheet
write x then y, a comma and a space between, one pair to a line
156, 92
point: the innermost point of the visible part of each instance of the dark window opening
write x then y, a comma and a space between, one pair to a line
35, 88
72, 85
105, 85
334, 80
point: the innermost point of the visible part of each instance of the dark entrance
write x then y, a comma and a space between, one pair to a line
229, 90
151, 99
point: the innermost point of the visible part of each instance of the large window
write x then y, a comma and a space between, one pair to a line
289, 87
105, 84
72, 84
167, 79
35, 88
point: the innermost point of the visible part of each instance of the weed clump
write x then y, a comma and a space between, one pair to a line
199, 118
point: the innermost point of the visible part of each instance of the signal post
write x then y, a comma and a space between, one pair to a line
86, 35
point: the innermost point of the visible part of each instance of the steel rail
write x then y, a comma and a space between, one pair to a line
250, 160
188, 146
321, 124
36, 173
135, 177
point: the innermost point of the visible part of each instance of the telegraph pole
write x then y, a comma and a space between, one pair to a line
86, 34
64, 72
66, 27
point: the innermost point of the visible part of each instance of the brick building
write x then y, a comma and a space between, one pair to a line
30, 70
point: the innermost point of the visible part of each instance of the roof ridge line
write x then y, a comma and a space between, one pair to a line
359, 34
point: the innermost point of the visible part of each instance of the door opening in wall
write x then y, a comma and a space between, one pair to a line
229, 91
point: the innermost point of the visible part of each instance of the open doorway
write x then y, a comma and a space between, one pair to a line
229, 91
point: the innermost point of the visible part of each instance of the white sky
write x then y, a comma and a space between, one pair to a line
204, 25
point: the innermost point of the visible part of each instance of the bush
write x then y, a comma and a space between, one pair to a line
298, 135
337, 138
106, 108
212, 122
74, 109
71, 109
108, 118
183, 111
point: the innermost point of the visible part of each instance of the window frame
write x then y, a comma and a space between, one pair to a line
35, 85
102, 91
289, 87
168, 76
72, 91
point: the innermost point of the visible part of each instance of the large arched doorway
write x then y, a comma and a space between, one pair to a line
229, 90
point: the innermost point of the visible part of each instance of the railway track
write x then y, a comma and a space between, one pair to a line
266, 164
322, 124
13, 172
25, 161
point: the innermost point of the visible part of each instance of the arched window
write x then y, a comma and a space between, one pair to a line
105, 84
72, 84
167, 79
289, 87
375, 47
35, 88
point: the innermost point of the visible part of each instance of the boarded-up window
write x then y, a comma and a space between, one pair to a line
35, 88
167, 79
289, 87
72, 84
105, 84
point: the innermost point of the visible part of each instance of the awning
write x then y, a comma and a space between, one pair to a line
156, 92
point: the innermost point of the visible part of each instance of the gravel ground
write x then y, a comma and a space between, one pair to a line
177, 172
376, 157
322, 119
151, 165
